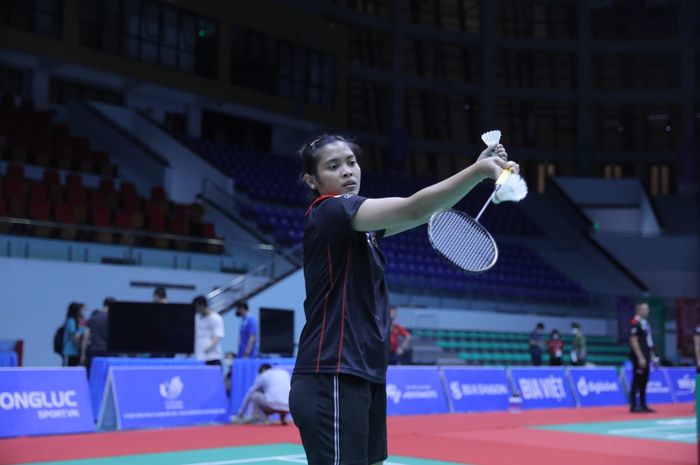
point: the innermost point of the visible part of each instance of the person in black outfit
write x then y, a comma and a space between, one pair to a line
535, 342
338, 388
99, 333
641, 354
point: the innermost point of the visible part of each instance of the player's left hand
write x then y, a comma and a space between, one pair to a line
494, 151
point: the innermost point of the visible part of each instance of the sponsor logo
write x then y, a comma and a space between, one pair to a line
393, 393
657, 387
686, 383
410, 392
586, 387
48, 404
459, 391
171, 390
551, 387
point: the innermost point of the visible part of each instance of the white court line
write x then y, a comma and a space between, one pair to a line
647, 429
681, 436
298, 458
293, 460
252, 460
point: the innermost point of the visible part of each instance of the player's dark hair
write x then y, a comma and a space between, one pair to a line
309, 152
540, 325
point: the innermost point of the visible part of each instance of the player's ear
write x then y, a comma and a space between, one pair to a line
310, 181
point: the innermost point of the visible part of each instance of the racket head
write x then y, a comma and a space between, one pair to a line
462, 241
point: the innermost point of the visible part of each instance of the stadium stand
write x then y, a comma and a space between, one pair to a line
509, 348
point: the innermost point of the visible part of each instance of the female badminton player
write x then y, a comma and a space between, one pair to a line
338, 393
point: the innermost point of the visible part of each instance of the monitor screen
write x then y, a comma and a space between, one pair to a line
144, 327
277, 331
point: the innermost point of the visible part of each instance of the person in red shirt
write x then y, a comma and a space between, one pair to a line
396, 348
555, 346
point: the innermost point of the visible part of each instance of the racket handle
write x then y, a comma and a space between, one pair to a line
502, 178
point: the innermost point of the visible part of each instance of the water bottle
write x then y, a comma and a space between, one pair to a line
515, 403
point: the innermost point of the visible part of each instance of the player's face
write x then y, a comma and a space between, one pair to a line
644, 311
337, 171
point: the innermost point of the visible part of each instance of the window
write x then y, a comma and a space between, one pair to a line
447, 15
41, 17
631, 71
544, 170
445, 61
612, 171
632, 19
11, 81
152, 32
659, 176
635, 126
368, 105
541, 124
442, 116
61, 91
373, 159
241, 132
277, 67
370, 7
536, 19
536, 70
369, 47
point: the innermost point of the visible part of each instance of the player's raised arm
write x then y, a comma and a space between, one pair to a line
397, 214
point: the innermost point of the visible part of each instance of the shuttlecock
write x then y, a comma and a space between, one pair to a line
491, 138
513, 189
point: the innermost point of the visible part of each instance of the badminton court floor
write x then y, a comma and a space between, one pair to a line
275, 454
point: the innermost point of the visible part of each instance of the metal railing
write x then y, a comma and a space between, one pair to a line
261, 277
87, 230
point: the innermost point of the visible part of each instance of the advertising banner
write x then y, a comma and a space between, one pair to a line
146, 397
596, 387
414, 391
474, 389
44, 401
658, 388
682, 381
542, 387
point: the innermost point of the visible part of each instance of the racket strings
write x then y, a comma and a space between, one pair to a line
462, 241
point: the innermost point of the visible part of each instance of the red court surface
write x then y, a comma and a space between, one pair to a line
474, 439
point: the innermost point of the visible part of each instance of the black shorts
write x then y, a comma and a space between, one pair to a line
341, 418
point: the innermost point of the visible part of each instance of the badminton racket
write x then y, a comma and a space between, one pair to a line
461, 239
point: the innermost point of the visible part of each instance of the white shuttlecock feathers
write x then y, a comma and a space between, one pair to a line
513, 189
491, 138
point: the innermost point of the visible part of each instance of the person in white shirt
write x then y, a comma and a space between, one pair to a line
209, 330
268, 395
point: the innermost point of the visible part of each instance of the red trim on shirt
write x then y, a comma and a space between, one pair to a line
342, 315
316, 201
325, 308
